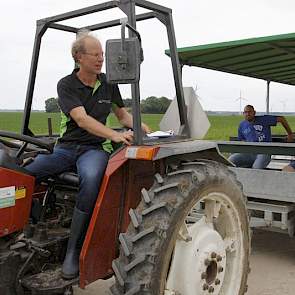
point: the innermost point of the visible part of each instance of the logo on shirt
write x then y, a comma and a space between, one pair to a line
259, 132
108, 101
258, 127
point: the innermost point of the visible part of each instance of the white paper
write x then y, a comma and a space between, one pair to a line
161, 133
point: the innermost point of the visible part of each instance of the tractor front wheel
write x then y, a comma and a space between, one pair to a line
189, 236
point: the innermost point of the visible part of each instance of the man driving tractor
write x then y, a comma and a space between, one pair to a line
85, 99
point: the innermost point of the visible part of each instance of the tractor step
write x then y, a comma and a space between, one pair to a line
48, 282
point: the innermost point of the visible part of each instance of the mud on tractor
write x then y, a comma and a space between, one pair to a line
170, 217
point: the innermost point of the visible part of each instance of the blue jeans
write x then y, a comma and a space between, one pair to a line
292, 164
89, 162
256, 161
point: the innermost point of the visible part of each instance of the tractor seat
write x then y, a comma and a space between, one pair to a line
69, 178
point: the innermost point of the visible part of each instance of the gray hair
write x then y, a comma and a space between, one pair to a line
78, 45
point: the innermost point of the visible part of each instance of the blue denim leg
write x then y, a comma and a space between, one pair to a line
48, 165
91, 166
261, 161
292, 164
242, 160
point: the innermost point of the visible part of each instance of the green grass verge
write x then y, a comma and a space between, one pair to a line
222, 127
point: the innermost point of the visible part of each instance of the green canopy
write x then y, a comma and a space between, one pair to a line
270, 58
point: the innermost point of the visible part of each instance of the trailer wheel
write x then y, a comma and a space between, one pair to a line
189, 236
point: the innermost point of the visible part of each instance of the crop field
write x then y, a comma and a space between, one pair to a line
222, 127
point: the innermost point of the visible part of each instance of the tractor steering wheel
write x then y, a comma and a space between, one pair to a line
26, 139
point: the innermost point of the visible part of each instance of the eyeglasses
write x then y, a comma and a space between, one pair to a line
96, 55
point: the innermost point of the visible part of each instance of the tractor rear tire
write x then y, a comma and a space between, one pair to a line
172, 248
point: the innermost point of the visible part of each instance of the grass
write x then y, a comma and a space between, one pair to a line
222, 127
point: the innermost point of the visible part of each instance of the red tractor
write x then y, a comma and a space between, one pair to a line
170, 217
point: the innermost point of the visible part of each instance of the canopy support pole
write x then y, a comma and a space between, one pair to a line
267, 97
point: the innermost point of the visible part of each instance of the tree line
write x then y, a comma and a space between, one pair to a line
150, 105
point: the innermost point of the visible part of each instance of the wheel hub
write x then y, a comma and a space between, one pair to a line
198, 265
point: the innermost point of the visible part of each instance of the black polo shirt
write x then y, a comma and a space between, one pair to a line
97, 102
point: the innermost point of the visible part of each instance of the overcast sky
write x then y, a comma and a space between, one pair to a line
196, 22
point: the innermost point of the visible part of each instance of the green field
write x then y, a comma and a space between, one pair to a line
221, 126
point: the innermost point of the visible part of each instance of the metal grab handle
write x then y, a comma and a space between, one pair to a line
123, 58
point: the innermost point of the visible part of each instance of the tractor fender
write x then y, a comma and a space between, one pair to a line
191, 150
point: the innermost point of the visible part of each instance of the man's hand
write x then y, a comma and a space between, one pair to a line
126, 119
290, 137
125, 137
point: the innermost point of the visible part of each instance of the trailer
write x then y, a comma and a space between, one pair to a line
271, 191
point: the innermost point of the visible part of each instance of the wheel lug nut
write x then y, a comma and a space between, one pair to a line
218, 258
207, 262
220, 269
211, 289
205, 287
217, 282
203, 276
213, 255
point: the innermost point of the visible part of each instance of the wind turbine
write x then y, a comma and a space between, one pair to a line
284, 104
240, 98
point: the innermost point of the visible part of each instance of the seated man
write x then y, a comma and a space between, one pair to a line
85, 99
257, 129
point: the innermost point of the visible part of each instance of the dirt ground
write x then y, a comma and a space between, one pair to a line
272, 267
272, 264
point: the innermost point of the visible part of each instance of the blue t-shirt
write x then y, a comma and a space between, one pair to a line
258, 130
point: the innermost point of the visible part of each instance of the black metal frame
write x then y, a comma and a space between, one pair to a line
162, 13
